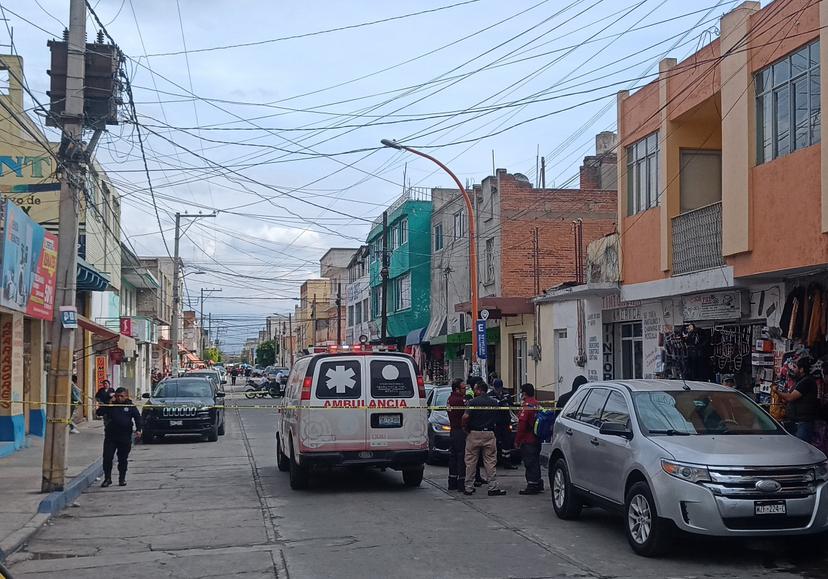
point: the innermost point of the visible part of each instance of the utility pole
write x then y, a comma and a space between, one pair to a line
384, 276
543, 173
176, 292
290, 329
201, 319
339, 313
313, 319
63, 339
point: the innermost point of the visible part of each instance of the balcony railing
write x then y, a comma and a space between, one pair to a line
697, 239
410, 194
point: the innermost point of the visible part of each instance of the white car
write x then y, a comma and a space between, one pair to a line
359, 408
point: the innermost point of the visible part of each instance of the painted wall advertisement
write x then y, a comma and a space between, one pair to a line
29, 265
100, 370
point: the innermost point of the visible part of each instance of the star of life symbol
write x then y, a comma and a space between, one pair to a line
340, 379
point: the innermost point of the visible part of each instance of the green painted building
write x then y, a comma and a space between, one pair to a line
409, 274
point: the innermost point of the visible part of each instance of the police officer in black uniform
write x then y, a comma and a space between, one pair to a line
118, 418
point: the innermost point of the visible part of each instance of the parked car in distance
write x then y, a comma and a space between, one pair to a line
377, 415
439, 430
210, 374
693, 456
188, 405
222, 372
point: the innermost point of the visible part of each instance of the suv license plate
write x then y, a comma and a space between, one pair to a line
176, 423
366, 454
769, 508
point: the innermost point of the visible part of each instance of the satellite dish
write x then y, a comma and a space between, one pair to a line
522, 177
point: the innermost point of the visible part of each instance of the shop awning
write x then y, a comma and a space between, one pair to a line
90, 279
127, 344
499, 306
192, 357
564, 293
414, 337
436, 327
97, 329
462, 338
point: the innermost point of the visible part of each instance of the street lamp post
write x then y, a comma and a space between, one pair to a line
472, 232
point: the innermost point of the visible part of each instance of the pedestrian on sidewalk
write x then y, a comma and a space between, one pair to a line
528, 442
479, 421
77, 398
457, 466
564, 398
118, 419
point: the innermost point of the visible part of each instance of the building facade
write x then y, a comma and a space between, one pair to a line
408, 303
358, 298
723, 199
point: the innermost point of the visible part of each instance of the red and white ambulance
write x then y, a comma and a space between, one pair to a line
353, 407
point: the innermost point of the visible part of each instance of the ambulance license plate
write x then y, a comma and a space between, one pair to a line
769, 508
386, 420
176, 423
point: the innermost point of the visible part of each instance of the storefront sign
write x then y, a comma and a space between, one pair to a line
480, 336
6, 362
126, 326
116, 356
713, 306
29, 265
614, 302
628, 314
69, 317
609, 358
100, 370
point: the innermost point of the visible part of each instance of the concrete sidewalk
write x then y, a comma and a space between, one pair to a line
23, 508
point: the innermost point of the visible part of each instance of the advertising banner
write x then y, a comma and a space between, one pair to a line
29, 265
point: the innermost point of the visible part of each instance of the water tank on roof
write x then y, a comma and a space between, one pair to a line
522, 177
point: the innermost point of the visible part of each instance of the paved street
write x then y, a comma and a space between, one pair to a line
200, 509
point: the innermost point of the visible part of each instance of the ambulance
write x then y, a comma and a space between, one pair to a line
349, 407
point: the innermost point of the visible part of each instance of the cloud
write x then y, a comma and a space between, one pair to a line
290, 235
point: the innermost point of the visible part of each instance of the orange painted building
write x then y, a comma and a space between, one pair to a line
722, 181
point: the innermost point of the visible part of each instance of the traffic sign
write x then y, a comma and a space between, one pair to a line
480, 336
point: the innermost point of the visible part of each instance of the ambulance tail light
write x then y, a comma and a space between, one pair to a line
421, 386
306, 388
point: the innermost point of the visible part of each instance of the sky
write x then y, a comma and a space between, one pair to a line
262, 112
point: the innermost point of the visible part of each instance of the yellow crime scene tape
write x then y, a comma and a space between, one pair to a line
335, 405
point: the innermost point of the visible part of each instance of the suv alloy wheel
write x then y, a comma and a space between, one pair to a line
564, 499
648, 534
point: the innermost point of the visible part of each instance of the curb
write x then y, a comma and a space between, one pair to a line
49, 507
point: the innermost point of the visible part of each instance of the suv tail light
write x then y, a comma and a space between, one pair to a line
421, 386
306, 388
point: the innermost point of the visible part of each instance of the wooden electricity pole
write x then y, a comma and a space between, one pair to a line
72, 161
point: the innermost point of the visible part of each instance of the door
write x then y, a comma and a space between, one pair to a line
519, 360
611, 454
335, 420
564, 356
584, 429
396, 416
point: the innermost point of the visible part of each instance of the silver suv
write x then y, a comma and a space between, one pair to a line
695, 456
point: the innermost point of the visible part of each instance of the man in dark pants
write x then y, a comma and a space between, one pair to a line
802, 402
118, 418
479, 421
528, 443
457, 465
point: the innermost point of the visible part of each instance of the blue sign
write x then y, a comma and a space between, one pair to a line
68, 317
480, 336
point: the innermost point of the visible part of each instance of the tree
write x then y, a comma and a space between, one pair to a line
266, 353
211, 355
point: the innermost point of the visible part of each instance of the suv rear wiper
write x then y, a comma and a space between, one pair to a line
669, 432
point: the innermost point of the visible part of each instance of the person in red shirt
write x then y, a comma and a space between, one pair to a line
527, 441
457, 465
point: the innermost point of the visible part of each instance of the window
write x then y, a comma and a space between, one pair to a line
366, 310
351, 316
391, 379
590, 412
4, 82
632, 351
376, 297
459, 224
393, 238
575, 402
403, 232
438, 237
356, 313
519, 359
788, 115
642, 174
339, 379
492, 204
490, 261
616, 410
401, 290
700, 179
